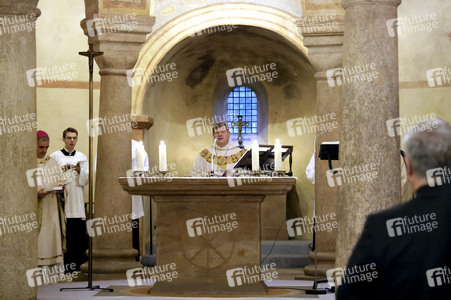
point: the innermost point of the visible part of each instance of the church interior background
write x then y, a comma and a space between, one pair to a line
166, 69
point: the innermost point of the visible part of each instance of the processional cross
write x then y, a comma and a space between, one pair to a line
240, 125
90, 54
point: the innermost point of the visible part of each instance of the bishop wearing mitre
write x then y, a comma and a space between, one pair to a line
219, 158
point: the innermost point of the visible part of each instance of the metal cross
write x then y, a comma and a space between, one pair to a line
240, 125
90, 54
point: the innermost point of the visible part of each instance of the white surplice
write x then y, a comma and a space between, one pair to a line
73, 192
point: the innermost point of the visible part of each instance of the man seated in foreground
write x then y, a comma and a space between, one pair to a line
405, 252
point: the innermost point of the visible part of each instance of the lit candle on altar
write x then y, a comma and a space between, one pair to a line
140, 157
255, 156
162, 153
277, 156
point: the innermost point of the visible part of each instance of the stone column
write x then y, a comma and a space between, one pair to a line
366, 107
19, 249
113, 252
323, 36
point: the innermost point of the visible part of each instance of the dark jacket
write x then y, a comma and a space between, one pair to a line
404, 251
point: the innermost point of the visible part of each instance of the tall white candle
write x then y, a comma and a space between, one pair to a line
255, 157
162, 155
277, 156
140, 157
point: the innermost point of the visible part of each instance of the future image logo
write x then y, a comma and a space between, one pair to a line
248, 275
438, 176
352, 274
411, 224
252, 74
438, 276
438, 76
146, 275
209, 225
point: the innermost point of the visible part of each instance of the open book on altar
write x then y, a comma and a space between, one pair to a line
266, 158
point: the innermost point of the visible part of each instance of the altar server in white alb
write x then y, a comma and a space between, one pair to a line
224, 154
76, 236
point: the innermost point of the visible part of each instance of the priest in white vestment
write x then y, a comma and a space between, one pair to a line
50, 250
224, 154
77, 163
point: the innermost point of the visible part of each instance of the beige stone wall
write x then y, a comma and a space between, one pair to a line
428, 48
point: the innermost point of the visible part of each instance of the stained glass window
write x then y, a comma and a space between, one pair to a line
242, 101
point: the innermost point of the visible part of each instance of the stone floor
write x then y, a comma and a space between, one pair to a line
284, 287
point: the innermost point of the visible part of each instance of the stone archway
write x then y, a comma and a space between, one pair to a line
165, 38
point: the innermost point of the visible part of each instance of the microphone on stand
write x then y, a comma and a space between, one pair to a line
212, 156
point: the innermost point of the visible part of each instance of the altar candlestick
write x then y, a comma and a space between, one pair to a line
140, 157
255, 156
277, 156
162, 153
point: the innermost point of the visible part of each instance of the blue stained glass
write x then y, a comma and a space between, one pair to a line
243, 101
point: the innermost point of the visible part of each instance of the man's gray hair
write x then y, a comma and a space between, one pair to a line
44, 138
428, 146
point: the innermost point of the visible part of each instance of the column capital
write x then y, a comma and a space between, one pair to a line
20, 7
325, 51
329, 24
143, 122
119, 37
323, 36
348, 3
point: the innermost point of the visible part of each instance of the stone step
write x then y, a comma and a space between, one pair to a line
280, 247
285, 247
285, 254
288, 260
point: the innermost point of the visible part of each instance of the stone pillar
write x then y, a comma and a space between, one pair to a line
366, 107
113, 253
19, 249
323, 36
